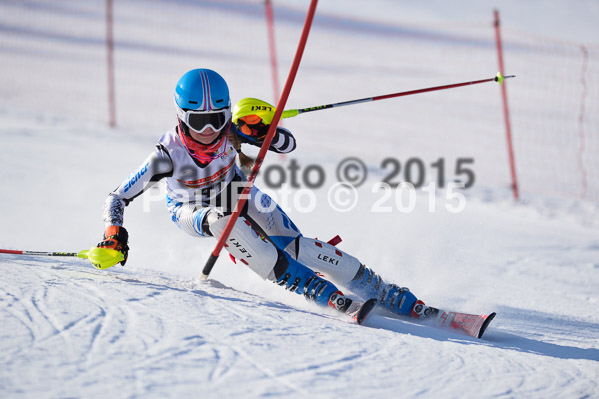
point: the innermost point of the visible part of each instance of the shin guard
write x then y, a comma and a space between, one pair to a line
335, 264
247, 246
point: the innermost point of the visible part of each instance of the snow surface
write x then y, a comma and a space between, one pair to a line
151, 329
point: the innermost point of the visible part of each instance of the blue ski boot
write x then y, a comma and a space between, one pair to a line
297, 278
398, 300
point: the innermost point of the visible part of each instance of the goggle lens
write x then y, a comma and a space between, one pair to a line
198, 121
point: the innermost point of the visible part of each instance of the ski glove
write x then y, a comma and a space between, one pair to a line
116, 237
252, 117
251, 129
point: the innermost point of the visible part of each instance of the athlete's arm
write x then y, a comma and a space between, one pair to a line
156, 166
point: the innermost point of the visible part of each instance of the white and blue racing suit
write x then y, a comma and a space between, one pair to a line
199, 197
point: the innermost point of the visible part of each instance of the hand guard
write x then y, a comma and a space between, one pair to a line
251, 129
116, 237
252, 117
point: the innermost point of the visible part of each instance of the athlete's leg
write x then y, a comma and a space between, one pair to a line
336, 265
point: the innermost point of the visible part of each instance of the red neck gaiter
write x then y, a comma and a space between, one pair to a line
202, 153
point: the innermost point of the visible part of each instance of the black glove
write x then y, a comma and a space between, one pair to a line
251, 129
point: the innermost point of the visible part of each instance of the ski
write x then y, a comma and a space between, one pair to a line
470, 324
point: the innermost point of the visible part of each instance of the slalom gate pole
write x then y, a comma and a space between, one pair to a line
267, 140
506, 110
272, 49
294, 112
110, 63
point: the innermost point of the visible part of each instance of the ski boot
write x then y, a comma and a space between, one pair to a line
421, 311
398, 300
302, 280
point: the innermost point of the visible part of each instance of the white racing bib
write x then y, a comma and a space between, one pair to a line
189, 182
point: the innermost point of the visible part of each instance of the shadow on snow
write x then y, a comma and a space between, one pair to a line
520, 318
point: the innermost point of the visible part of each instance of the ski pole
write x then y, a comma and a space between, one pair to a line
294, 112
267, 140
81, 254
100, 258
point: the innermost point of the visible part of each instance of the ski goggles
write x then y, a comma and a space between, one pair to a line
201, 120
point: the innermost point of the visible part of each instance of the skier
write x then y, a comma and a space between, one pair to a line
197, 160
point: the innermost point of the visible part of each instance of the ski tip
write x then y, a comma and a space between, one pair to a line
486, 323
365, 310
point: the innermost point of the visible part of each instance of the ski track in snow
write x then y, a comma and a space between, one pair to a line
130, 333
114, 319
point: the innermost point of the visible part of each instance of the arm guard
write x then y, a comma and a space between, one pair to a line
283, 142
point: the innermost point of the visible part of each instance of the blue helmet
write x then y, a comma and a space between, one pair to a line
202, 101
202, 90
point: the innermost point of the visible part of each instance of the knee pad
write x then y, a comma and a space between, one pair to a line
335, 264
190, 218
246, 245
273, 220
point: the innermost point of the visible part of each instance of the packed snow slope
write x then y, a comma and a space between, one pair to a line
151, 329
